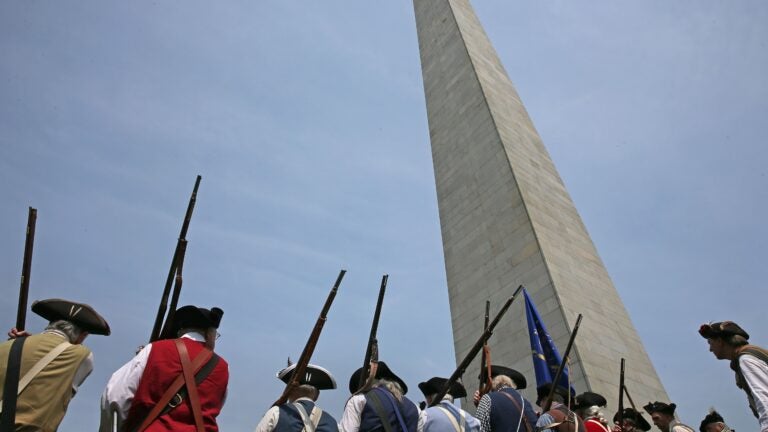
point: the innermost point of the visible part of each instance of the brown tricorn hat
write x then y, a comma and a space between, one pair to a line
79, 314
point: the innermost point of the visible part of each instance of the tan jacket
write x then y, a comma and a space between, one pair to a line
41, 406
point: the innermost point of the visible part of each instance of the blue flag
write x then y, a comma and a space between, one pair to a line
546, 358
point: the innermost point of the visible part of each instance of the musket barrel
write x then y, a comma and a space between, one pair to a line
26, 270
621, 393
484, 378
372, 341
309, 347
167, 331
159, 318
548, 400
462, 367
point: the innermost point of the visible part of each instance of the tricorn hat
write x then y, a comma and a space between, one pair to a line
196, 317
315, 376
79, 314
722, 329
515, 376
712, 417
436, 384
382, 371
588, 399
660, 407
636, 418
543, 391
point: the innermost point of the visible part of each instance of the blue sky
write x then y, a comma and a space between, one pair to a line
308, 124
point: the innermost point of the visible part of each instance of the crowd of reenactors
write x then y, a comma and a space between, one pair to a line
180, 384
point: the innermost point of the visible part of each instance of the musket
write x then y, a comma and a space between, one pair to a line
485, 357
26, 270
309, 347
158, 326
167, 332
621, 394
548, 400
462, 367
371, 360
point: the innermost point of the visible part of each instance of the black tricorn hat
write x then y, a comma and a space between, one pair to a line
315, 376
722, 329
196, 317
515, 376
436, 385
660, 407
79, 314
636, 418
588, 399
712, 417
382, 371
543, 391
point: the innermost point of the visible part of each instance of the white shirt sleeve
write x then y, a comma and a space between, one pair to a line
756, 375
422, 421
82, 372
350, 420
122, 387
269, 421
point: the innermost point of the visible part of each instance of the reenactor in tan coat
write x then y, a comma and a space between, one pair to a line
46, 369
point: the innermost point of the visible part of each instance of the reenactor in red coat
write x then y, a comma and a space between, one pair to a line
174, 384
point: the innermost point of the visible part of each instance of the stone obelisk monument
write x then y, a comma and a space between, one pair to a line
507, 219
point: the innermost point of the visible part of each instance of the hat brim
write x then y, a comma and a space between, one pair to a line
636, 417
80, 314
196, 317
314, 375
382, 371
588, 399
518, 378
436, 384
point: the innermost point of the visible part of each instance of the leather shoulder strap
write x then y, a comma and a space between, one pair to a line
521, 409
189, 379
10, 389
172, 393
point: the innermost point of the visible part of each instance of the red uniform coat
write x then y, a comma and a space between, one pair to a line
163, 366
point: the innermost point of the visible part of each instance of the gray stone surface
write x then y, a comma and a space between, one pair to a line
507, 219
